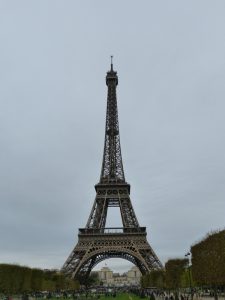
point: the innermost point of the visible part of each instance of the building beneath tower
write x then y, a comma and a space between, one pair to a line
130, 278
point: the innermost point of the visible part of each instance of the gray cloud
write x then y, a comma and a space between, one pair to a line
171, 66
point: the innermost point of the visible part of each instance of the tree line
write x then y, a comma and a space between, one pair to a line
19, 279
207, 267
175, 275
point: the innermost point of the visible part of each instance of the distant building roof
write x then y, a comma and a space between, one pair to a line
106, 269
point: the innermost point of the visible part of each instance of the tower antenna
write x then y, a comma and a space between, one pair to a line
111, 62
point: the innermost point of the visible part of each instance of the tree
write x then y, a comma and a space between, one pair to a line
174, 272
155, 278
186, 278
92, 279
14, 278
208, 260
17, 279
37, 279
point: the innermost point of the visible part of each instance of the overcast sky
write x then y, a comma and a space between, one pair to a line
54, 55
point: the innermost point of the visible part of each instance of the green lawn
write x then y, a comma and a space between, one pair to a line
119, 296
123, 296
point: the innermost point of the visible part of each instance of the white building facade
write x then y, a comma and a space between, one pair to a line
130, 278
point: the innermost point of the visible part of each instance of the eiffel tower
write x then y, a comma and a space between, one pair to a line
96, 242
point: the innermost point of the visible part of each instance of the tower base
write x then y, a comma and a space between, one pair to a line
96, 245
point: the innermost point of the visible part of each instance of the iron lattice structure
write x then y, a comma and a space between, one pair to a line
95, 241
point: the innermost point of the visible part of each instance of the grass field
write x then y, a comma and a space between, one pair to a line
120, 296
123, 296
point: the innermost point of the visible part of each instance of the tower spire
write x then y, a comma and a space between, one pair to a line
111, 62
112, 165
